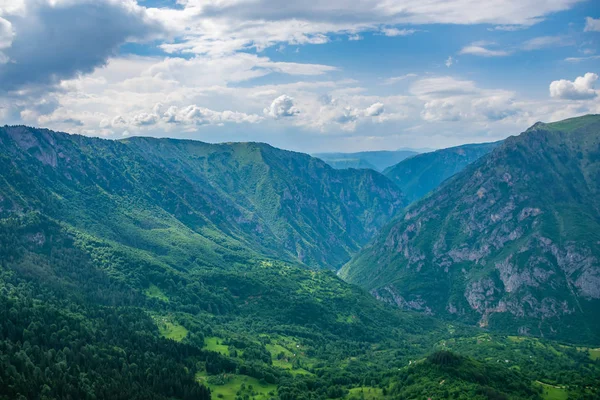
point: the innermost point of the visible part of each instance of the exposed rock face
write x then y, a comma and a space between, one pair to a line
511, 242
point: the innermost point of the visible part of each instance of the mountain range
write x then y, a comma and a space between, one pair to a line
174, 269
233, 200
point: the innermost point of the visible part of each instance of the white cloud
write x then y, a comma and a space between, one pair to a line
194, 115
479, 50
580, 59
580, 89
281, 107
450, 99
58, 39
6, 33
396, 79
219, 27
144, 119
397, 32
375, 110
449, 61
592, 25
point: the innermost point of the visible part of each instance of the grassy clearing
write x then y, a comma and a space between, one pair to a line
228, 386
366, 392
290, 350
551, 392
154, 292
170, 329
594, 354
215, 344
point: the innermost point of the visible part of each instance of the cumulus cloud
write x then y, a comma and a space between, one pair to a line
449, 61
281, 107
592, 25
49, 40
374, 110
581, 88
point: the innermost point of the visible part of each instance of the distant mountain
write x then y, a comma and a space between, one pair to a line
234, 200
357, 163
377, 160
512, 242
420, 174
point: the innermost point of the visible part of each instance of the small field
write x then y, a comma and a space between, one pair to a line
154, 292
169, 329
366, 392
551, 392
230, 386
215, 344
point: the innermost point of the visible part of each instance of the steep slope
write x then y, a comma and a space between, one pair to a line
378, 160
512, 242
231, 202
418, 175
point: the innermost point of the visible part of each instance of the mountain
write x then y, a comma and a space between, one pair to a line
377, 160
238, 200
420, 174
512, 242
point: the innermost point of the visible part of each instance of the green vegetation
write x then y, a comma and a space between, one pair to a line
170, 330
215, 344
155, 292
229, 386
551, 392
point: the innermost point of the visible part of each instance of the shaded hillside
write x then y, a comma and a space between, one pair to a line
418, 175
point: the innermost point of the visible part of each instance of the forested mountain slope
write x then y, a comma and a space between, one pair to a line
227, 201
512, 242
418, 175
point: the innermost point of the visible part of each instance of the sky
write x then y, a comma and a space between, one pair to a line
309, 76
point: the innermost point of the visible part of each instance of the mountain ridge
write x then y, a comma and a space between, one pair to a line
247, 193
509, 242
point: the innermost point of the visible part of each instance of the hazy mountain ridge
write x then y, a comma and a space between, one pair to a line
511, 242
420, 174
377, 160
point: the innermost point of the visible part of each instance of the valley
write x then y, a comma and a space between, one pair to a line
174, 269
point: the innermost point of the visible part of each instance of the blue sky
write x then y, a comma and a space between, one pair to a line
335, 76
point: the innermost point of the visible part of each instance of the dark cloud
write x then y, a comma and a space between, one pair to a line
54, 42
